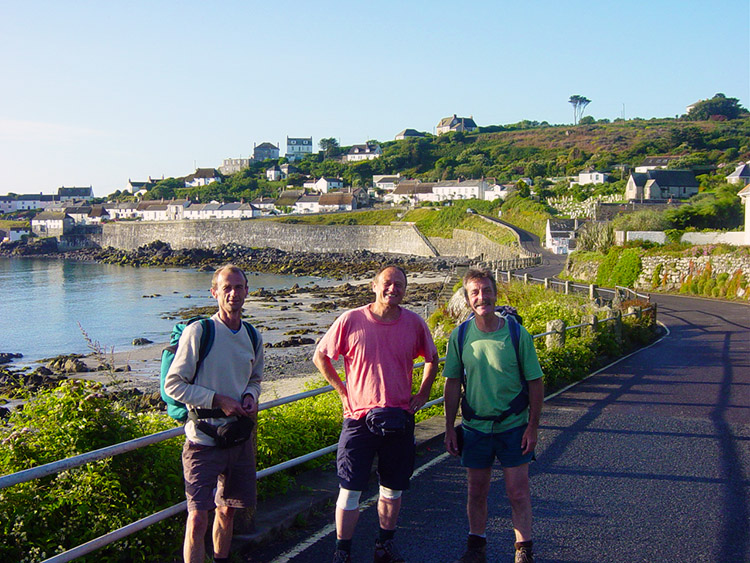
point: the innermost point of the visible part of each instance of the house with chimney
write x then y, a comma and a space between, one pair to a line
455, 123
661, 184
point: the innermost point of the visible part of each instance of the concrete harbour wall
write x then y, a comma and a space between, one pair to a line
397, 238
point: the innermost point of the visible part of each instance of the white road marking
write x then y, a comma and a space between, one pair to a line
330, 528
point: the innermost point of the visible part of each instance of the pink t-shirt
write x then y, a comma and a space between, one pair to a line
378, 357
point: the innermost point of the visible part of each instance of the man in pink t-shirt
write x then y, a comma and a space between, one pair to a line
378, 343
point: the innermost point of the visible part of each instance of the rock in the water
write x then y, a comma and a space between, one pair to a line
141, 341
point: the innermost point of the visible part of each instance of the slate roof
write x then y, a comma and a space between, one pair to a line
666, 178
411, 188
75, 192
742, 171
663, 160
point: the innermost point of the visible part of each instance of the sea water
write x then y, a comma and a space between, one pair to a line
46, 306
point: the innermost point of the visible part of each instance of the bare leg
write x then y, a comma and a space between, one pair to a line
476, 504
222, 532
388, 510
519, 495
193, 550
346, 521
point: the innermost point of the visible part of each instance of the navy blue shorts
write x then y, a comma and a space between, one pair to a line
357, 449
480, 449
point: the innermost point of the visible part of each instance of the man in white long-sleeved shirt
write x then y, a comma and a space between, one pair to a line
228, 379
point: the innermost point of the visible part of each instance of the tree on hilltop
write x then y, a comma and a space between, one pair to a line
579, 104
330, 146
719, 106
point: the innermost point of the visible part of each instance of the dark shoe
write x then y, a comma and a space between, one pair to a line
341, 556
386, 552
524, 555
476, 551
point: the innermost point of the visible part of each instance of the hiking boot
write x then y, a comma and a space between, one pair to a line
476, 551
524, 555
341, 556
386, 552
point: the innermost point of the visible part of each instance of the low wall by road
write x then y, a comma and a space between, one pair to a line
396, 238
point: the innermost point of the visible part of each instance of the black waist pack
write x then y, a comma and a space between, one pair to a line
230, 434
389, 421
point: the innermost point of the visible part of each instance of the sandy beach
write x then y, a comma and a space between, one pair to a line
279, 318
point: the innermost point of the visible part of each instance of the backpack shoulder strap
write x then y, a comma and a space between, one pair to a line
207, 341
252, 332
463, 328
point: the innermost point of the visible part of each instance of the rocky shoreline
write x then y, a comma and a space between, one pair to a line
291, 320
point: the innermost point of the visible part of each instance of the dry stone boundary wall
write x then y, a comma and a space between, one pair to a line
399, 239
675, 269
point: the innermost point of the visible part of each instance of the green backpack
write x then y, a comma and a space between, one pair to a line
176, 409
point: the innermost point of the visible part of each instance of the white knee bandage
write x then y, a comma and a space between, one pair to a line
348, 500
390, 494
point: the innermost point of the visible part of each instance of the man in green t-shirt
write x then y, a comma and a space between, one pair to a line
493, 380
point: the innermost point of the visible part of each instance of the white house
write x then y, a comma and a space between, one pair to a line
455, 189
7, 203
155, 212
358, 153
412, 192
561, 233
264, 204
385, 182
14, 234
51, 224
236, 210
176, 209
298, 147
308, 203
265, 151
337, 201
122, 210
326, 184
496, 191
741, 174
202, 177
273, 173
26, 202
744, 194
409, 133
590, 176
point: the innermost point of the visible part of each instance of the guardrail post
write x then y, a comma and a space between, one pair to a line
636, 311
617, 300
593, 325
556, 340
567, 287
546, 283
617, 326
526, 279
592, 292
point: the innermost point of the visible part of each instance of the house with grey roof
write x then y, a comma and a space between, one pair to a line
308, 203
655, 162
358, 153
455, 123
202, 177
661, 185
561, 233
51, 224
409, 133
412, 191
298, 147
265, 151
741, 174
84, 194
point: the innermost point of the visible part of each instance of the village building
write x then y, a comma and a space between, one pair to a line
51, 224
336, 201
307, 203
409, 133
265, 151
655, 163
661, 185
358, 153
456, 189
202, 177
233, 165
741, 174
452, 124
561, 234
69, 194
298, 147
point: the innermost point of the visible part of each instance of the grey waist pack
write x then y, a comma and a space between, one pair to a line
389, 421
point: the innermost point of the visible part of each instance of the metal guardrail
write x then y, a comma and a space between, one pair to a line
131, 445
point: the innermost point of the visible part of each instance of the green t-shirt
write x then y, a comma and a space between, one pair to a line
492, 377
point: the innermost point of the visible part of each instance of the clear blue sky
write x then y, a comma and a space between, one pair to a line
97, 92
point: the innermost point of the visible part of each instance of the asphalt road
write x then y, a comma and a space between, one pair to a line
647, 460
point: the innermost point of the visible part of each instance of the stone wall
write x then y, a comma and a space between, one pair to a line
676, 269
396, 238
260, 234
473, 245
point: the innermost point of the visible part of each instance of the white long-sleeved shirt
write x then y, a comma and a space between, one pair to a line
230, 368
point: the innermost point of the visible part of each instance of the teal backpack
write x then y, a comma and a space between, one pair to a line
176, 409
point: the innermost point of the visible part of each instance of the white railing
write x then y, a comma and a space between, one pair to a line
131, 445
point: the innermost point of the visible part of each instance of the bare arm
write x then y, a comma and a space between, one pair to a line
536, 400
428, 378
325, 367
452, 396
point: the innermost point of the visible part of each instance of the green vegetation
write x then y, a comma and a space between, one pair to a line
369, 217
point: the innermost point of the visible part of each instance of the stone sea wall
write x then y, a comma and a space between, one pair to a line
399, 239
674, 270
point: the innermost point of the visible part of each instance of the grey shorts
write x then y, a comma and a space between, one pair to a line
219, 477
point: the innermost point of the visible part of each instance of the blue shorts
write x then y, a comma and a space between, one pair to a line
357, 449
480, 449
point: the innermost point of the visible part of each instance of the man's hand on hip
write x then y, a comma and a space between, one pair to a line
229, 406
